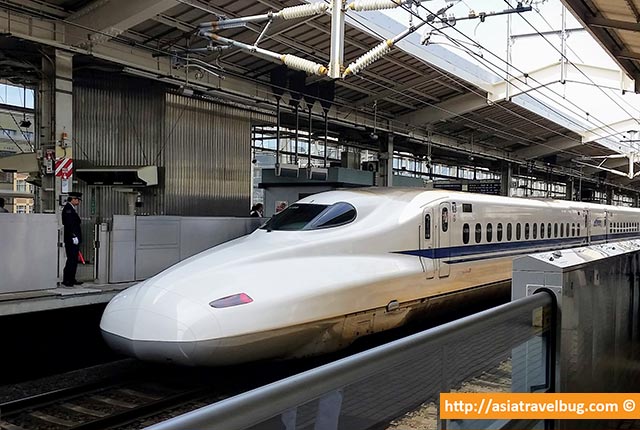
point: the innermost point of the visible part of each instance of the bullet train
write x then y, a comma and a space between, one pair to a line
339, 265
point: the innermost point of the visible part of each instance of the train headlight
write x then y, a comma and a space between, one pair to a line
234, 300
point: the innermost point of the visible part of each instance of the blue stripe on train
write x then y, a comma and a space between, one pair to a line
508, 249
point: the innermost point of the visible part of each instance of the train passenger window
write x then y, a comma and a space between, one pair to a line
573, 229
535, 230
509, 231
478, 233
567, 229
427, 226
555, 230
518, 231
526, 231
445, 219
465, 234
499, 232
578, 228
561, 230
302, 216
489, 232
541, 230
549, 230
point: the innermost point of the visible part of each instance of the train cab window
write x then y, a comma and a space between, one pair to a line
542, 230
303, 216
427, 226
555, 230
518, 231
499, 232
535, 230
526, 231
465, 234
478, 233
489, 232
445, 219
509, 231
549, 230
573, 229
561, 230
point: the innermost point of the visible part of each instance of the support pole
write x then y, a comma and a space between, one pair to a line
309, 106
337, 39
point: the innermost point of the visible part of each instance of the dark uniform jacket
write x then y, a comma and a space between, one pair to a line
71, 222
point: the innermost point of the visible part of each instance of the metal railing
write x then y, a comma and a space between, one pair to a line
500, 349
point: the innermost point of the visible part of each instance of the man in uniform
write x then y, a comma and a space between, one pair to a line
72, 238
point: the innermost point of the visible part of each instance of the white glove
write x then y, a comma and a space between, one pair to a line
75, 241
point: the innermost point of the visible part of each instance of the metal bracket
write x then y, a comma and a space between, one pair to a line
532, 288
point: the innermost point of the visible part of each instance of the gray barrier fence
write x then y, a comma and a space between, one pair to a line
397, 385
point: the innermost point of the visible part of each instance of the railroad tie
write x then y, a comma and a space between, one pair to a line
114, 402
51, 419
85, 411
8, 426
136, 393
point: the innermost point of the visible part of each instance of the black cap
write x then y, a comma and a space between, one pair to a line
75, 194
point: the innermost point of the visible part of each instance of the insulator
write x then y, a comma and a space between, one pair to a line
303, 10
304, 65
368, 58
362, 5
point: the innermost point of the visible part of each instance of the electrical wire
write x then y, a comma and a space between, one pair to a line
130, 42
519, 79
481, 59
503, 107
570, 62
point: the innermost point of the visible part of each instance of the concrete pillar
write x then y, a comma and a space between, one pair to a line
609, 195
55, 107
63, 113
386, 161
505, 178
569, 191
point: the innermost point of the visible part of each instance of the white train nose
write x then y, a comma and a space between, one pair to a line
156, 324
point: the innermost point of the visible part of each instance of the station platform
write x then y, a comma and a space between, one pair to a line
59, 297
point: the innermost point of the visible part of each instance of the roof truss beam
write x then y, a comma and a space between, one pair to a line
551, 146
445, 110
102, 20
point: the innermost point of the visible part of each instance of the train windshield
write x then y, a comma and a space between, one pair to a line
302, 216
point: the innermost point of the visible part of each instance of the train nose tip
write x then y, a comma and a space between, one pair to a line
157, 325
156, 338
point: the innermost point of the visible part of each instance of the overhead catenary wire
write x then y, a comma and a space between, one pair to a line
520, 79
484, 61
576, 67
131, 42
470, 89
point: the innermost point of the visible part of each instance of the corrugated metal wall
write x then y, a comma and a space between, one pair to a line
117, 121
207, 158
203, 148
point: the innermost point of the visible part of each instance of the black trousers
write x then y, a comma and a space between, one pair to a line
69, 272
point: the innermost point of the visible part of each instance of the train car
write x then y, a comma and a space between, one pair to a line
339, 265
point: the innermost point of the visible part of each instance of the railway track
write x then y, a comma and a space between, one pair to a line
95, 406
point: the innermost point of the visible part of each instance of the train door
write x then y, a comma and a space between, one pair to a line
587, 225
426, 242
444, 234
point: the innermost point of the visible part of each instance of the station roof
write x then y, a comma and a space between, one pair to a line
615, 24
415, 90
